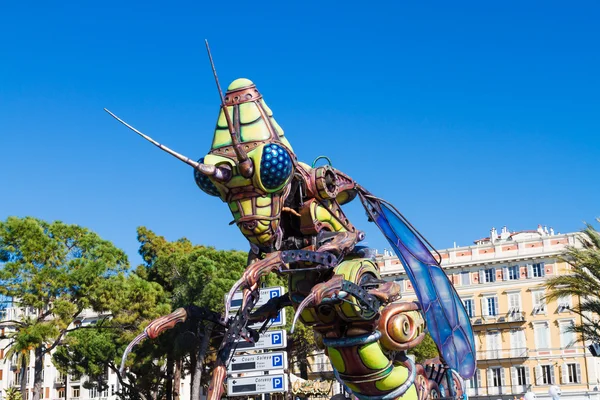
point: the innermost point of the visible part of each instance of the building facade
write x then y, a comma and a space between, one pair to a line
522, 339
56, 386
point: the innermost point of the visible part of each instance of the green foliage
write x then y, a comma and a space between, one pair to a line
131, 302
582, 282
12, 394
55, 269
192, 274
425, 350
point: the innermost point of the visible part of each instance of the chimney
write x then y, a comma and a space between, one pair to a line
493, 235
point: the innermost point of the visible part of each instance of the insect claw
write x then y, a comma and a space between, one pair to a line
245, 297
134, 342
305, 303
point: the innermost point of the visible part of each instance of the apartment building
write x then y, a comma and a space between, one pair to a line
56, 386
522, 340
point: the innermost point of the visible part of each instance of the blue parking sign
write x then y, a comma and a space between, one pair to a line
277, 383
274, 293
276, 338
278, 361
277, 319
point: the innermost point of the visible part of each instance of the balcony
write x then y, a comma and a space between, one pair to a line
497, 390
321, 367
508, 320
502, 354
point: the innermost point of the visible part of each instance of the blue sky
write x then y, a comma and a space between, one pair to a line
465, 115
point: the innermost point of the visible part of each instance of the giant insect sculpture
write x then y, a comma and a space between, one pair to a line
291, 215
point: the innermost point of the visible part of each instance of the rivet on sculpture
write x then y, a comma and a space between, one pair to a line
291, 215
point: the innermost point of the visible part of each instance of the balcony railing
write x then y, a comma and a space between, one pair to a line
510, 319
502, 354
497, 390
320, 367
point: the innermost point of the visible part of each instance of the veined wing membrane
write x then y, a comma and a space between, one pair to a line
446, 318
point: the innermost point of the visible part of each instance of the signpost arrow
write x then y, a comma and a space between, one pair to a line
257, 384
265, 295
258, 362
278, 321
275, 339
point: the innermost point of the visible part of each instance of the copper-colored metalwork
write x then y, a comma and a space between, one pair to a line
243, 95
292, 217
402, 326
167, 322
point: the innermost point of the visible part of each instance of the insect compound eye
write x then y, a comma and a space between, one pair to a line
275, 166
204, 183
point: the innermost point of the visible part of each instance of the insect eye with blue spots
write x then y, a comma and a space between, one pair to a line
204, 183
275, 166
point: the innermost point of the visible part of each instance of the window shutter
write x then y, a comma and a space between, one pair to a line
484, 309
578, 378
538, 375
496, 306
564, 369
552, 379
481, 276
502, 378
478, 380
529, 271
505, 273
543, 268
527, 376
513, 377
490, 378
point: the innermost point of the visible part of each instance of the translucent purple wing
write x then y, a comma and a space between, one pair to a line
447, 320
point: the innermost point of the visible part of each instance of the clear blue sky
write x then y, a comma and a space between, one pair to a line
465, 115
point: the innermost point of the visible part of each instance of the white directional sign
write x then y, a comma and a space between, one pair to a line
275, 339
256, 384
278, 321
258, 362
265, 295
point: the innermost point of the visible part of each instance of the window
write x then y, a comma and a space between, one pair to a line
490, 306
469, 307
400, 282
76, 392
465, 278
475, 381
571, 373
518, 347
490, 275
494, 347
514, 303
513, 273
565, 303
539, 303
547, 377
537, 270
495, 380
496, 377
567, 336
520, 376
542, 335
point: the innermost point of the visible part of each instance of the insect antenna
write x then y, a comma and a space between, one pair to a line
246, 166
